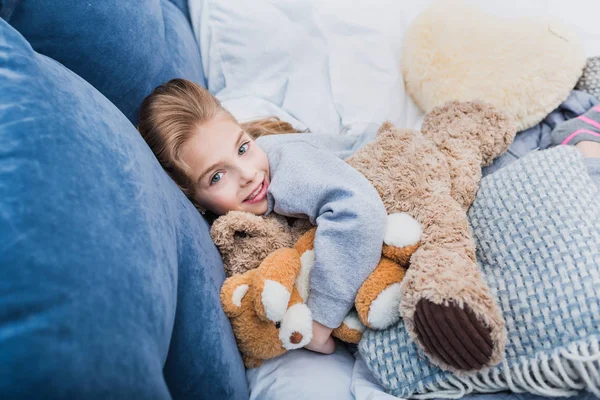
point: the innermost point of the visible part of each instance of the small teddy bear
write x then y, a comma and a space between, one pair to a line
431, 176
267, 305
245, 240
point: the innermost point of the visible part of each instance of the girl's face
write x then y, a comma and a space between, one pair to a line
229, 170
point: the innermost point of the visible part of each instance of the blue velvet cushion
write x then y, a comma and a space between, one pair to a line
123, 48
109, 281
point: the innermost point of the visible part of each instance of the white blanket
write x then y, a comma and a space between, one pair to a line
331, 66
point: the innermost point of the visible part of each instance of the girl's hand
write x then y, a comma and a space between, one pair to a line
321, 342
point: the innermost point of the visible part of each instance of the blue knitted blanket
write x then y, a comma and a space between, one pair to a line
537, 228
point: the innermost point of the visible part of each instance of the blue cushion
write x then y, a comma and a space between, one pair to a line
109, 281
123, 48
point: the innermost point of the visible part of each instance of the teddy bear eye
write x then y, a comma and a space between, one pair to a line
240, 235
277, 324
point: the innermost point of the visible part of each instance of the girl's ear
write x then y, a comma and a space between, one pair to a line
233, 291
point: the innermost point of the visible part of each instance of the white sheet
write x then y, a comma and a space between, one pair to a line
333, 66
318, 64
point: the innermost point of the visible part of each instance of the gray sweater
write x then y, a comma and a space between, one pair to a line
309, 179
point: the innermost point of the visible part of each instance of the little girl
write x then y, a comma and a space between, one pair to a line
218, 165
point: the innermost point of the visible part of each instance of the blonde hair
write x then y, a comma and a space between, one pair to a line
171, 113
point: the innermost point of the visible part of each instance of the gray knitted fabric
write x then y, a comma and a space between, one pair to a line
536, 223
590, 79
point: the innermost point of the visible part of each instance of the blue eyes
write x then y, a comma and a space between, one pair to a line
243, 148
241, 151
216, 178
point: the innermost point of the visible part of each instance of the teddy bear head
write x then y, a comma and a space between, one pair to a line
266, 311
245, 240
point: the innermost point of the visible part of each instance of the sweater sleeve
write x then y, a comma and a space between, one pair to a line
350, 219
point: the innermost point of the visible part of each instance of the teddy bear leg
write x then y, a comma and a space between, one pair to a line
446, 304
452, 313
351, 329
470, 135
378, 299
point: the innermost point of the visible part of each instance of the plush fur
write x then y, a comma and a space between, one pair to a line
431, 177
245, 239
526, 66
267, 310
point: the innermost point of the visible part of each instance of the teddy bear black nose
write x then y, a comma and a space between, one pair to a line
296, 338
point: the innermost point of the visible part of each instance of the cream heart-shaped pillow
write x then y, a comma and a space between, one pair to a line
524, 66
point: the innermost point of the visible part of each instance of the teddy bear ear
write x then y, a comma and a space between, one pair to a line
233, 291
235, 225
387, 126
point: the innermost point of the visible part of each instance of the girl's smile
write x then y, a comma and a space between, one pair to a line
259, 193
230, 171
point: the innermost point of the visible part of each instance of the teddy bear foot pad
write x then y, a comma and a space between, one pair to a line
453, 334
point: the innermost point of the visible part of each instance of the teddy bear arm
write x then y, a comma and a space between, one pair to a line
402, 237
400, 255
349, 332
378, 299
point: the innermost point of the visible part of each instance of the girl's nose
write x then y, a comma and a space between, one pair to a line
247, 176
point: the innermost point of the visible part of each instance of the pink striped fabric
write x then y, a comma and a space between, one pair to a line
572, 135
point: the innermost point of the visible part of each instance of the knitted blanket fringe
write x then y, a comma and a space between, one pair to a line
563, 372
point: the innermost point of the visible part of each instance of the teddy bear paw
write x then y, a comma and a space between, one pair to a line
385, 309
453, 335
402, 230
351, 329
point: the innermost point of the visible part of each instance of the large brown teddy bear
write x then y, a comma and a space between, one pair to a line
433, 176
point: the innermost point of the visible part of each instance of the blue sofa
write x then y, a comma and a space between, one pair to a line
109, 281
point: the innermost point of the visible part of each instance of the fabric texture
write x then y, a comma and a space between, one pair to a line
590, 79
448, 55
310, 181
539, 137
124, 49
330, 68
365, 387
538, 243
585, 127
109, 286
303, 375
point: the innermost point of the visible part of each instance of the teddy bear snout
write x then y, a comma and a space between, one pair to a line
296, 327
296, 338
